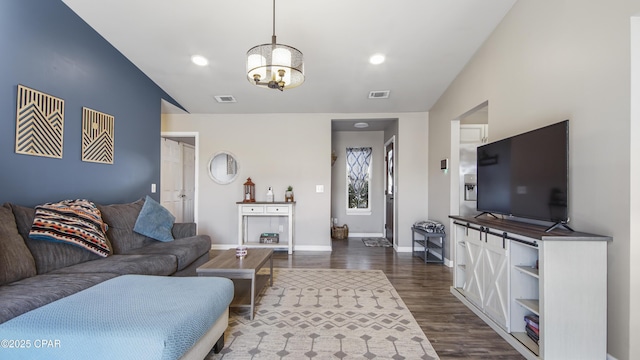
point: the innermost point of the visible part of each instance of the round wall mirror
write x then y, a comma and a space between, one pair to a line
223, 167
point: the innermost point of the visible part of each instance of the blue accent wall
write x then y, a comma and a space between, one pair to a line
44, 45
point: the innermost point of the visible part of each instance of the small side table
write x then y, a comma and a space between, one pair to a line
432, 245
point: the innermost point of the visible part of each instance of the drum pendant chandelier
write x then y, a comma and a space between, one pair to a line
275, 66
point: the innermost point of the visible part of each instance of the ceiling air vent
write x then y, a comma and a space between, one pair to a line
379, 94
225, 98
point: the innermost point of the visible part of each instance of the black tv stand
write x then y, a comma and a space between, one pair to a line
485, 213
559, 224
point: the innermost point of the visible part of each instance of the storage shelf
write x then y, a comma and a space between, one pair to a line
527, 341
430, 243
558, 287
430, 247
532, 305
430, 256
437, 242
242, 289
528, 270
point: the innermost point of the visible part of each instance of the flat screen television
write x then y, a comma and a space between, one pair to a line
526, 175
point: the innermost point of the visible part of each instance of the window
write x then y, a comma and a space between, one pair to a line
358, 180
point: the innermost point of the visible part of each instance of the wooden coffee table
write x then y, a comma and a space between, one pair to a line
248, 284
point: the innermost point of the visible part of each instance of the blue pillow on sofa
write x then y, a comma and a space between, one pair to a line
154, 221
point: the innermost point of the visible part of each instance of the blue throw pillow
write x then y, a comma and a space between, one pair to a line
154, 221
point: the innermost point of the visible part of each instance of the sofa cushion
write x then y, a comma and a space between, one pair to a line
121, 219
187, 250
16, 262
154, 221
183, 230
27, 294
126, 264
76, 222
48, 255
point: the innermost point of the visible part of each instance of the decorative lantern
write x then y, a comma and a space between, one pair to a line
249, 191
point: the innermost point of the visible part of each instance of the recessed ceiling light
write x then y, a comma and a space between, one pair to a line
200, 60
361, 125
376, 59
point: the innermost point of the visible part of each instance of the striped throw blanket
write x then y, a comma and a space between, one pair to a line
77, 222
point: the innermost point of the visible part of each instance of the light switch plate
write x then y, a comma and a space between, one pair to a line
319, 188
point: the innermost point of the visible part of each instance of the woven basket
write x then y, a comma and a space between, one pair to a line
340, 232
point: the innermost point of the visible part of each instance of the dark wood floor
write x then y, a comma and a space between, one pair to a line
454, 331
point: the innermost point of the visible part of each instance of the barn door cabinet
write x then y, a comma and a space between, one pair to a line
505, 270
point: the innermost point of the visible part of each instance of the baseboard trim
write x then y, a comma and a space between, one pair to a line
311, 248
358, 235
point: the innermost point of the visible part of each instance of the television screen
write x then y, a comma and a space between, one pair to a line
526, 175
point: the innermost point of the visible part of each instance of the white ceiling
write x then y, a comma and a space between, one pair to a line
426, 42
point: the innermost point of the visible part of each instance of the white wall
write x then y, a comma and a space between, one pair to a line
274, 150
635, 190
411, 157
295, 149
372, 223
549, 61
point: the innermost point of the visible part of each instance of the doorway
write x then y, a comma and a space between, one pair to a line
178, 175
376, 134
389, 189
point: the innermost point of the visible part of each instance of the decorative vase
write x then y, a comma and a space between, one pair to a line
270, 195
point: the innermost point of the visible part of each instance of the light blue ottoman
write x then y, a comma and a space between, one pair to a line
128, 317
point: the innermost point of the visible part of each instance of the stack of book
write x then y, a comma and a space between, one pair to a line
532, 326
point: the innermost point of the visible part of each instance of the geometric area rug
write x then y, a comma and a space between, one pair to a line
326, 314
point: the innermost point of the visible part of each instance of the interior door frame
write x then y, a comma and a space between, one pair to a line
391, 140
195, 135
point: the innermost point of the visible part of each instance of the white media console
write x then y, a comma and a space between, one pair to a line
505, 270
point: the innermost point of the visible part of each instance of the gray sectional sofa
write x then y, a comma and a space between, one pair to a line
35, 273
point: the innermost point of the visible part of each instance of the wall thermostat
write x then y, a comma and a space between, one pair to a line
444, 164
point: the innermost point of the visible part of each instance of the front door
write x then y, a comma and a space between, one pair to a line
389, 181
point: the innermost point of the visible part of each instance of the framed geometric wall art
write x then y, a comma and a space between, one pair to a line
39, 123
97, 136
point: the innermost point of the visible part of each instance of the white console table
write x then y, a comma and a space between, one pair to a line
265, 209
